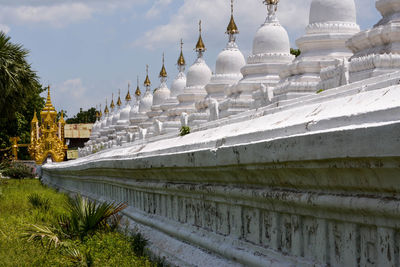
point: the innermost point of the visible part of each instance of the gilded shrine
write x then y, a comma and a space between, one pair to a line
47, 139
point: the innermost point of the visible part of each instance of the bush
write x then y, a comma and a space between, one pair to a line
138, 243
185, 130
18, 171
5, 164
39, 202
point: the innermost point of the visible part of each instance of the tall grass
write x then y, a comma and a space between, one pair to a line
17, 212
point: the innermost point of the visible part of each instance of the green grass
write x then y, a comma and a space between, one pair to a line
17, 213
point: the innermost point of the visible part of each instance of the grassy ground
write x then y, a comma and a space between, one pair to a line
16, 214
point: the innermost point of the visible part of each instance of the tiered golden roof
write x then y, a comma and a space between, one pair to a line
47, 139
49, 106
181, 59
200, 47
232, 28
35, 119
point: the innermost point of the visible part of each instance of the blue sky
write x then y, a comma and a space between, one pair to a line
88, 49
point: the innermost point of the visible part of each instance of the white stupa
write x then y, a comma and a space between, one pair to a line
271, 53
198, 76
122, 127
377, 50
331, 24
227, 72
173, 122
160, 95
145, 104
134, 116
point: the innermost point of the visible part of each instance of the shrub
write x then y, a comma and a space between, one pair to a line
184, 130
39, 202
5, 164
18, 171
138, 243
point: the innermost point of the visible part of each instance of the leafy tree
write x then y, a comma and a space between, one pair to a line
87, 116
295, 52
19, 92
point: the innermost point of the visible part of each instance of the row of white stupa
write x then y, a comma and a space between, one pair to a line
333, 52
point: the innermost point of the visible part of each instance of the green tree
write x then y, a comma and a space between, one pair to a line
295, 52
87, 116
20, 92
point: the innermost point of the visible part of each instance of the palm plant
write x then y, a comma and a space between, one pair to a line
88, 216
17, 80
85, 218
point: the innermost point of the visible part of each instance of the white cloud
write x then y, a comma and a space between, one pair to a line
215, 15
73, 87
157, 7
56, 13
4, 28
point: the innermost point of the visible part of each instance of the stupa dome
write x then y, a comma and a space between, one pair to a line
271, 38
124, 115
161, 94
178, 84
332, 10
146, 102
229, 61
199, 74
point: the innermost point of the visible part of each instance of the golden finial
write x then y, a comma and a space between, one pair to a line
49, 106
147, 82
181, 59
106, 111
137, 92
200, 47
271, 2
163, 72
35, 119
232, 28
100, 113
128, 95
119, 103
112, 105
61, 120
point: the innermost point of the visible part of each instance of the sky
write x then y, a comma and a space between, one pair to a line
88, 49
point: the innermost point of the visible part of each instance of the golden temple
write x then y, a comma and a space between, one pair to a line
47, 139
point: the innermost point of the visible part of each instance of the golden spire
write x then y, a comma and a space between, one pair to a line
232, 29
137, 92
106, 111
49, 106
163, 72
200, 47
128, 95
119, 103
181, 59
35, 119
61, 120
112, 105
100, 113
147, 82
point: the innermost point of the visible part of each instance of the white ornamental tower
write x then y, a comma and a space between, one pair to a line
331, 24
377, 50
271, 53
227, 73
172, 122
161, 94
198, 76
